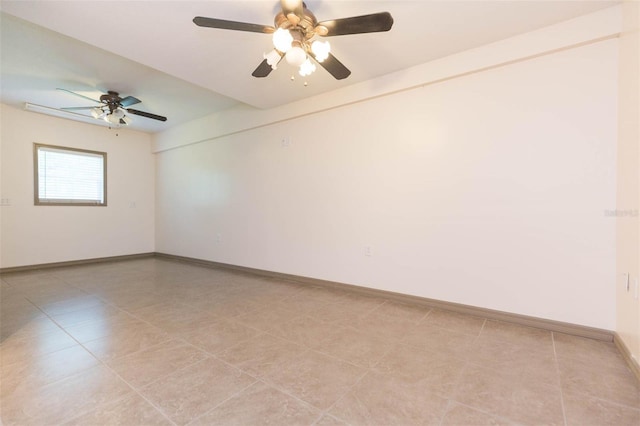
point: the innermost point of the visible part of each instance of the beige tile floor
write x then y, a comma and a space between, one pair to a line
158, 342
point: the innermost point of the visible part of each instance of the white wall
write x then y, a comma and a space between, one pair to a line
487, 190
32, 235
598, 26
628, 182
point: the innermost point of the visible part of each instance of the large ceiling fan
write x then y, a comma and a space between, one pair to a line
293, 37
112, 108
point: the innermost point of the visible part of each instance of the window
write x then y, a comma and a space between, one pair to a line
69, 176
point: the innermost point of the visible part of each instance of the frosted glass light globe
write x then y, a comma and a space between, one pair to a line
272, 58
320, 50
296, 56
118, 113
96, 112
112, 119
282, 40
306, 68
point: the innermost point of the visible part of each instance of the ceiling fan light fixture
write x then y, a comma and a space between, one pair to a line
127, 120
321, 50
118, 113
272, 58
282, 40
111, 118
293, 30
96, 112
111, 108
296, 56
307, 68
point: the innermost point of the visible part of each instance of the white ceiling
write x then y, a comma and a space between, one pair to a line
153, 51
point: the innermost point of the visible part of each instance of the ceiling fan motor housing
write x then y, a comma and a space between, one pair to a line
111, 99
306, 25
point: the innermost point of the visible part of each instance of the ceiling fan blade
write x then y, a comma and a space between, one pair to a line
263, 70
79, 95
201, 21
129, 100
147, 114
334, 66
76, 108
376, 22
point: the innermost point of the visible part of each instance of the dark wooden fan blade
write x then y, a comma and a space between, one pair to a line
78, 94
373, 23
334, 66
147, 114
128, 101
232, 25
263, 70
75, 108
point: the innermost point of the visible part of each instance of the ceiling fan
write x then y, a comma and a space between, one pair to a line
112, 108
293, 37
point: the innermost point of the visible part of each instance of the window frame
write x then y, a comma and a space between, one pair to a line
36, 177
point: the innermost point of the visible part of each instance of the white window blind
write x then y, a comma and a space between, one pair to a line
70, 176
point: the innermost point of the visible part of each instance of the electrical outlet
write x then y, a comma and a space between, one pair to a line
286, 142
368, 251
218, 238
5, 202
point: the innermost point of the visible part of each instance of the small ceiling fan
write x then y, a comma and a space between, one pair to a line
112, 108
293, 32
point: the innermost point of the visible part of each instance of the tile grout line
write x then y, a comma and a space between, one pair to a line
424, 317
610, 402
104, 364
483, 411
375, 308
346, 392
445, 411
459, 379
157, 380
357, 382
286, 392
263, 379
135, 390
317, 350
100, 362
323, 414
257, 378
223, 401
